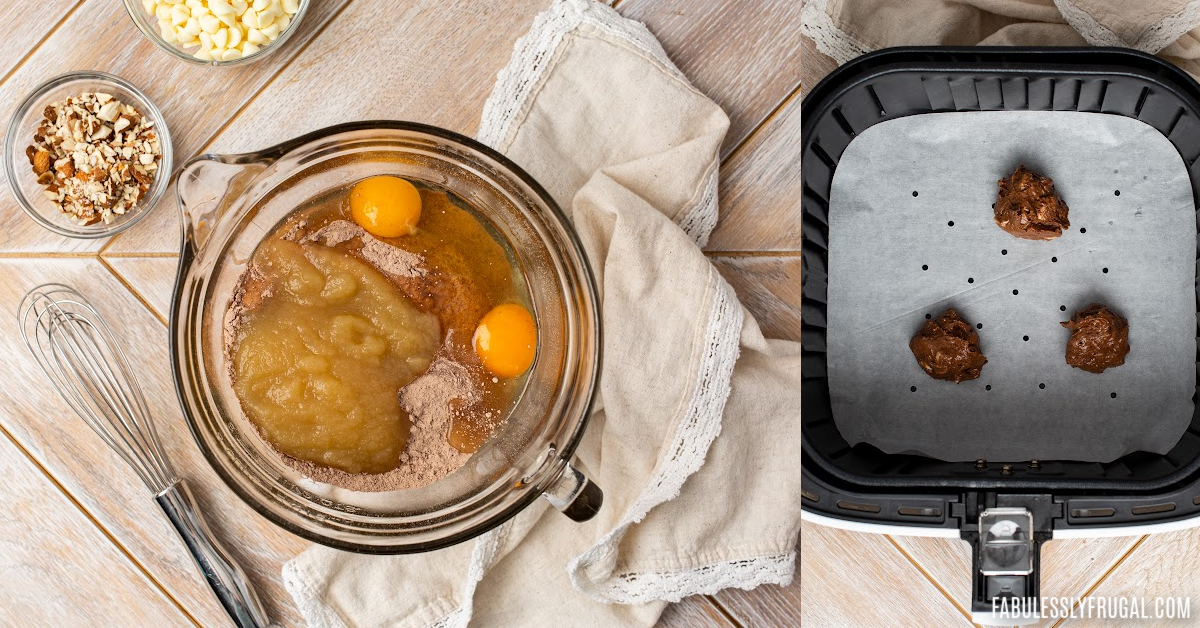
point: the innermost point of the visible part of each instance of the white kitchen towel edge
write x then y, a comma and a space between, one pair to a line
534, 54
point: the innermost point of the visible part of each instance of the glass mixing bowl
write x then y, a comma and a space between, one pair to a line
231, 202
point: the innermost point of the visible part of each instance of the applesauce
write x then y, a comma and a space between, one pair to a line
416, 300
320, 360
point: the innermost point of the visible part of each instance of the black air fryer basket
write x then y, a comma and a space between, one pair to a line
1029, 502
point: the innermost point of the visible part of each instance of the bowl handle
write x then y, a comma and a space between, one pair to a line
575, 495
207, 185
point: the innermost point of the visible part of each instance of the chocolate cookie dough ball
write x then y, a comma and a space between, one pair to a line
1099, 339
947, 347
1028, 207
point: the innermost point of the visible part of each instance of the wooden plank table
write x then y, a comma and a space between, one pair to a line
851, 579
80, 543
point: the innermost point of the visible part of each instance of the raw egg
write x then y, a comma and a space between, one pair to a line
386, 206
506, 340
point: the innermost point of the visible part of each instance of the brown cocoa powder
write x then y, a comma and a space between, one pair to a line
384, 257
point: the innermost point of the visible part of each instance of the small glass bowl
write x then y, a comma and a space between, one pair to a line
148, 24
25, 122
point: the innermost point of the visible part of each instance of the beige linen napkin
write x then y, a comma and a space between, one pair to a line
844, 29
695, 432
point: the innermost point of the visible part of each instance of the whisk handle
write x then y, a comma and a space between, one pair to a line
226, 578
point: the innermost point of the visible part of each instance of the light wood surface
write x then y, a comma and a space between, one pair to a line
1162, 565
15, 47
769, 605
50, 550
109, 558
769, 286
1069, 567
854, 580
761, 188
743, 55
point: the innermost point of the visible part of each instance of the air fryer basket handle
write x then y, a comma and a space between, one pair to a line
1006, 533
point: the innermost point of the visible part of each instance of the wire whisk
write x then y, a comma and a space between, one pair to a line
76, 349
81, 357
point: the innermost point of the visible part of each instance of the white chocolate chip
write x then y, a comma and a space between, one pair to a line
231, 54
218, 26
209, 23
266, 18
220, 7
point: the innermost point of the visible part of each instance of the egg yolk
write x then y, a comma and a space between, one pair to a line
386, 206
506, 340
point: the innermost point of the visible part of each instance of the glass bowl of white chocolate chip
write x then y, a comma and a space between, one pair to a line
217, 32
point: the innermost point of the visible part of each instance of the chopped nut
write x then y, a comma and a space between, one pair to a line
41, 161
109, 111
96, 156
142, 176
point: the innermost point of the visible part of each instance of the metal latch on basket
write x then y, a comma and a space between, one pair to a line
1006, 542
